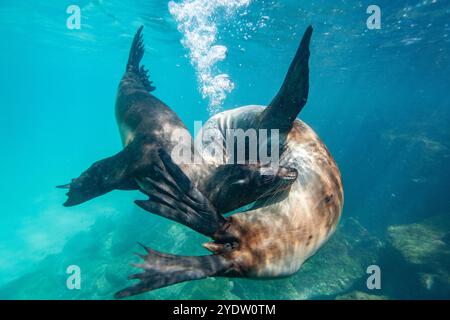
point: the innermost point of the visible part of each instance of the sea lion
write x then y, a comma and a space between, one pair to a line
147, 124
276, 236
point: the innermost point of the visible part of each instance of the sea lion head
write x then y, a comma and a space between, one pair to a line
239, 185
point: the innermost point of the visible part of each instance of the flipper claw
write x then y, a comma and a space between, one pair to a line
64, 186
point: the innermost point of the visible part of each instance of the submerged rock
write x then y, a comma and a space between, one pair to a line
422, 252
424, 243
359, 295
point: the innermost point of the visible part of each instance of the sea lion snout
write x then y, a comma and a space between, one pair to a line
267, 174
282, 179
288, 173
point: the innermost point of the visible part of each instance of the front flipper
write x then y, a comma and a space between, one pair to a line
102, 177
173, 196
162, 270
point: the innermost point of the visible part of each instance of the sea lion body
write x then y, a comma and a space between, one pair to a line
143, 117
145, 124
139, 113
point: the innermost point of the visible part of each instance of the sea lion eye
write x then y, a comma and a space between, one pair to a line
230, 246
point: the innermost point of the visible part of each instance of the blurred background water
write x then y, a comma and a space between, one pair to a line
378, 99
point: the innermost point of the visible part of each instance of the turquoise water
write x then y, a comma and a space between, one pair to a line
378, 99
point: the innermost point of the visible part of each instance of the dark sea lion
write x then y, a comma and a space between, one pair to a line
275, 237
147, 124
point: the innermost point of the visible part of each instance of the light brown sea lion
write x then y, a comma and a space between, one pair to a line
276, 236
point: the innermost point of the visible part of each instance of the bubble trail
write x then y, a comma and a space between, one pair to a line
197, 21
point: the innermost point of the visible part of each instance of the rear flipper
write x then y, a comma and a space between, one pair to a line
102, 177
134, 59
161, 270
293, 94
173, 196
